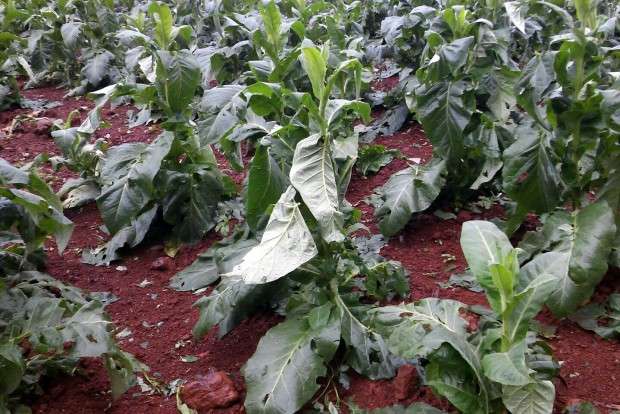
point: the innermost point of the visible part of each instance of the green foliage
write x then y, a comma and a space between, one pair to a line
46, 326
372, 158
482, 370
518, 98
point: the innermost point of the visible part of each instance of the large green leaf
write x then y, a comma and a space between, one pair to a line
421, 329
450, 376
88, 330
178, 77
129, 236
507, 368
70, 33
312, 174
12, 368
98, 67
450, 58
578, 261
223, 106
527, 303
272, 20
266, 183
190, 202
315, 66
286, 244
282, 374
231, 302
530, 175
406, 192
209, 265
444, 110
485, 245
536, 78
368, 352
124, 196
534, 398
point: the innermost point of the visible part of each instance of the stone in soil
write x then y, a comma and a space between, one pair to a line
405, 381
215, 390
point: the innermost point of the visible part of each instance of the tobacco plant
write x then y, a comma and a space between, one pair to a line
46, 326
499, 366
299, 261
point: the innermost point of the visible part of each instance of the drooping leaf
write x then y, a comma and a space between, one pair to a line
407, 192
286, 244
124, 195
282, 374
312, 174
209, 265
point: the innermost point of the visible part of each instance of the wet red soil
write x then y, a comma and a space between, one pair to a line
160, 320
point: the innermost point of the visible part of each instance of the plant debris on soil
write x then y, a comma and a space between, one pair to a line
155, 322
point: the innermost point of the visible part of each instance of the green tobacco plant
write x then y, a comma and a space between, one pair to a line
568, 153
299, 260
462, 95
175, 178
46, 326
499, 366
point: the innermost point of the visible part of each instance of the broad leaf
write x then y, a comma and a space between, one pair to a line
126, 195
530, 176
484, 245
312, 174
409, 191
266, 183
444, 110
286, 244
507, 368
578, 261
282, 374
534, 398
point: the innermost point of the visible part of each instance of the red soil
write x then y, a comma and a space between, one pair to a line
428, 248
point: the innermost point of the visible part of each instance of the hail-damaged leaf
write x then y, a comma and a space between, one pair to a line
128, 181
372, 158
283, 372
286, 244
407, 192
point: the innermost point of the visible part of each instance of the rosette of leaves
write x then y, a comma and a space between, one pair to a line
324, 290
174, 179
12, 63
47, 327
501, 364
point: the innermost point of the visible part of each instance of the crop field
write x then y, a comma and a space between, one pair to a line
313, 206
